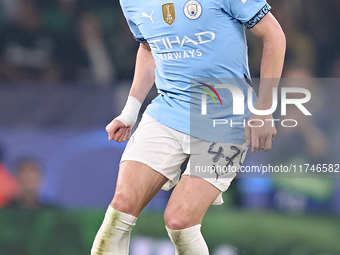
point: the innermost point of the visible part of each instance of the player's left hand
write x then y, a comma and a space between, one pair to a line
260, 137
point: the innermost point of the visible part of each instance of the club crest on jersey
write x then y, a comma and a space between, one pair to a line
169, 14
192, 9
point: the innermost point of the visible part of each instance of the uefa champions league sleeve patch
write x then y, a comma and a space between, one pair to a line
192, 9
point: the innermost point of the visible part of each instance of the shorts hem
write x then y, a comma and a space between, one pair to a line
165, 186
223, 187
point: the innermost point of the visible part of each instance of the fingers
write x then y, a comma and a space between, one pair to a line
268, 143
117, 131
117, 134
248, 135
111, 134
269, 140
121, 138
260, 139
255, 141
125, 135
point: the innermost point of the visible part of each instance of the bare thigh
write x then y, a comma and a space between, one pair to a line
137, 184
189, 202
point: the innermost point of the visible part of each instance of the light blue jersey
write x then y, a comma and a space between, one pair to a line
196, 39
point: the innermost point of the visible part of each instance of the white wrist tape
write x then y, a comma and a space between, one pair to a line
130, 112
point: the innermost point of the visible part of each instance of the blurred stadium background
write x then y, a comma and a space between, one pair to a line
65, 71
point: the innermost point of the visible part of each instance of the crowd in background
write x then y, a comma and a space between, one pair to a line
78, 42
83, 42
21, 191
312, 37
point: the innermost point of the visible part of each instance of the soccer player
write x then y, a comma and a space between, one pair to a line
181, 41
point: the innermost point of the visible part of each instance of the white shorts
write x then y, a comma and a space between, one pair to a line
165, 149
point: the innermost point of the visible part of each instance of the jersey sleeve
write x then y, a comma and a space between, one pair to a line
248, 12
135, 31
132, 25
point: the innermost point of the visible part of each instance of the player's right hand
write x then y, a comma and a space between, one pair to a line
117, 131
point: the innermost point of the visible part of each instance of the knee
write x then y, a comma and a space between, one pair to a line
177, 220
125, 203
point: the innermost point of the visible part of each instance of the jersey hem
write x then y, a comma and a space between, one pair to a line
215, 140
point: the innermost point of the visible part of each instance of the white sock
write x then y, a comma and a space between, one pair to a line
113, 236
188, 241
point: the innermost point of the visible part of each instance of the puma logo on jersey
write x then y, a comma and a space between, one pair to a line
144, 15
